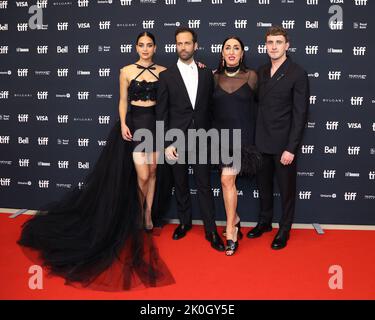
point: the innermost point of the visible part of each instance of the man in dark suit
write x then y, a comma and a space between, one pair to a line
283, 95
184, 101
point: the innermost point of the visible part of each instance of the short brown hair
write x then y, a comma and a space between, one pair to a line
277, 31
185, 29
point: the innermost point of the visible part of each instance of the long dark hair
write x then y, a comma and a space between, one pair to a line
146, 34
222, 63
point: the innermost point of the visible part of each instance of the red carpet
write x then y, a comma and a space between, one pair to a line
300, 271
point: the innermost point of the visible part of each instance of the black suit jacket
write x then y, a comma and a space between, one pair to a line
282, 108
174, 106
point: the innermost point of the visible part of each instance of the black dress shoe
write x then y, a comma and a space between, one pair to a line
216, 242
258, 230
280, 240
180, 231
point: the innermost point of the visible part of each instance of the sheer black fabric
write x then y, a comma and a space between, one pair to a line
143, 90
235, 108
94, 236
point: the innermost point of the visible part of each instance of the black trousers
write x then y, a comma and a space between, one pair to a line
286, 178
202, 177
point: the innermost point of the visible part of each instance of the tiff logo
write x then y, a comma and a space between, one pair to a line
359, 51
356, 101
4, 49
4, 94
354, 151
217, 1
332, 125
264, 1
43, 184
312, 2
170, 48
42, 49
240, 24
22, 26
334, 75
360, 2
62, 118
126, 48
216, 48
42, 4
42, 95
83, 3
104, 25
3, 4
304, 195
371, 175
23, 162
312, 100
23, 117
288, 24
62, 72
22, 72
104, 72
104, 119
126, 2
329, 174
262, 48
148, 24
43, 141
83, 142
216, 192
83, 95
4, 139
63, 164
62, 26
194, 24
350, 196
311, 49
5, 182
83, 48
307, 149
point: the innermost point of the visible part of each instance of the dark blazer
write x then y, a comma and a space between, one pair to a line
173, 103
282, 108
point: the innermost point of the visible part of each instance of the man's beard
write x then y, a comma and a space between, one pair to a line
186, 57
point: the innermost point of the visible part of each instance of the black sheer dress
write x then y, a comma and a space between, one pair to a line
235, 108
94, 236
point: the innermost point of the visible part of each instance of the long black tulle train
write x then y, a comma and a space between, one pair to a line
94, 236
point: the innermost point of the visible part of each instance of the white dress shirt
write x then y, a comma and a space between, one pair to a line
189, 73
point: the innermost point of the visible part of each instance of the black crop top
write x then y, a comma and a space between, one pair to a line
143, 90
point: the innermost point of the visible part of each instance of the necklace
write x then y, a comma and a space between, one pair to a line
231, 74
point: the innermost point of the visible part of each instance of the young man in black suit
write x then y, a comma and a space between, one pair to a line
184, 101
283, 95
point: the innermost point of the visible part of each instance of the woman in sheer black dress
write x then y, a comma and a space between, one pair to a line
234, 108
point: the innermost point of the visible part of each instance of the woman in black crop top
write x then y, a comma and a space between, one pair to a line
94, 237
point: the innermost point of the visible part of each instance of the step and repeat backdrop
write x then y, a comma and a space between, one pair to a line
59, 69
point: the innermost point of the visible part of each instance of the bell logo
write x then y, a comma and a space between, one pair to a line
194, 24
85, 165
353, 151
304, 195
240, 24
330, 150
312, 25
148, 24
22, 140
350, 196
329, 174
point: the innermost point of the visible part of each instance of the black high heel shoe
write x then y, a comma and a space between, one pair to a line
237, 225
232, 245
